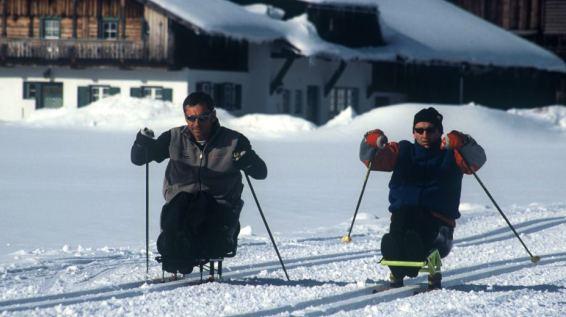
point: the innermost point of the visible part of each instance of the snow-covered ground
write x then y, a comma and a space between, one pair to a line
72, 223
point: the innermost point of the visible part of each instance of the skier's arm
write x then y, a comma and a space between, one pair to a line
246, 159
464, 145
386, 153
157, 150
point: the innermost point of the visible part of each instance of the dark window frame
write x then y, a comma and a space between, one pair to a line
43, 27
104, 32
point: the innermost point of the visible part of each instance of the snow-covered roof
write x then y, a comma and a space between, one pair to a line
415, 30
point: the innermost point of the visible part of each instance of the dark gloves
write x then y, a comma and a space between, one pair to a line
145, 138
241, 161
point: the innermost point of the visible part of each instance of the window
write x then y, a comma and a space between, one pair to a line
298, 101
227, 96
342, 98
152, 93
99, 92
110, 30
88, 94
31, 90
50, 28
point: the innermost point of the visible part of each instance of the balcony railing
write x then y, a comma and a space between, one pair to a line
75, 50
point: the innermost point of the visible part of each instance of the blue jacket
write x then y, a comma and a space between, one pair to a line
426, 178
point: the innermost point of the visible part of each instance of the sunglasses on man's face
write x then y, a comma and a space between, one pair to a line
201, 117
422, 130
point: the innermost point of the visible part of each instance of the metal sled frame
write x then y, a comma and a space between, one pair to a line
203, 265
432, 264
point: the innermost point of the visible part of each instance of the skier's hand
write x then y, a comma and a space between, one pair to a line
376, 139
240, 160
145, 137
454, 140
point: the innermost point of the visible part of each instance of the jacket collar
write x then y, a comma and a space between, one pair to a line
433, 150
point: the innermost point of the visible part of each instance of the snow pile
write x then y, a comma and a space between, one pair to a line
345, 117
112, 113
119, 113
555, 115
269, 124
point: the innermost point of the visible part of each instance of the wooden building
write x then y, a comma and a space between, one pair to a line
314, 60
540, 21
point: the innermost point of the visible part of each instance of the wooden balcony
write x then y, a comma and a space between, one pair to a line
78, 51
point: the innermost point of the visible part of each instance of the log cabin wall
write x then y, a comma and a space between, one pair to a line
158, 37
23, 17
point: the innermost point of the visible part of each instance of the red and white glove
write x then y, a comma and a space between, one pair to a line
454, 140
376, 139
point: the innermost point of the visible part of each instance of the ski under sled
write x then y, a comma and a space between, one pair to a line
431, 265
187, 267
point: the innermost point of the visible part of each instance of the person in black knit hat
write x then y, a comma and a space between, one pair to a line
425, 188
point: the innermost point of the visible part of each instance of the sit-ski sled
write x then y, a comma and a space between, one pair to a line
432, 265
202, 264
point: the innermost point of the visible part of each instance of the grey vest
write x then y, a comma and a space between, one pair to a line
210, 170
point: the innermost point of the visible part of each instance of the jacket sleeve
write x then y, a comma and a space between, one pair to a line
250, 162
474, 154
157, 150
384, 160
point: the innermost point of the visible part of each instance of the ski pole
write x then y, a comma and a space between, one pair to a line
266, 226
534, 258
347, 238
146, 213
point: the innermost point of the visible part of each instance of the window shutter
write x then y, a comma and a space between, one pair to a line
114, 91
167, 94
135, 92
41, 28
238, 97
26, 90
218, 95
100, 31
83, 96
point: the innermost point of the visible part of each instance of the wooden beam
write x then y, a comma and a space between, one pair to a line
123, 18
4, 18
334, 79
278, 80
30, 16
75, 5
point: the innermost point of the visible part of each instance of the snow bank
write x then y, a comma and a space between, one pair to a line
119, 113
555, 115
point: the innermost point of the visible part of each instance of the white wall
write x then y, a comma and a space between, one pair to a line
12, 105
12, 82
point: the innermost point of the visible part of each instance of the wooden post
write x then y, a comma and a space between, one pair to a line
506, 12
123, 18
4, 18
75, 19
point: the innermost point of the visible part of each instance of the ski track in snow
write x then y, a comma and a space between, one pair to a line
338, 283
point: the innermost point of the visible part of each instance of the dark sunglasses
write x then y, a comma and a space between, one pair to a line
201, 117
422, 130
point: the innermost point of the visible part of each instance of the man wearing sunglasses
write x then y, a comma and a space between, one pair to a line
425, 188
202, 186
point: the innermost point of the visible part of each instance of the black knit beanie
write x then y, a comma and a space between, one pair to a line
429, 115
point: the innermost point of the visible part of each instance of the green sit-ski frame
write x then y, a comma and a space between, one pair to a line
431, 265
